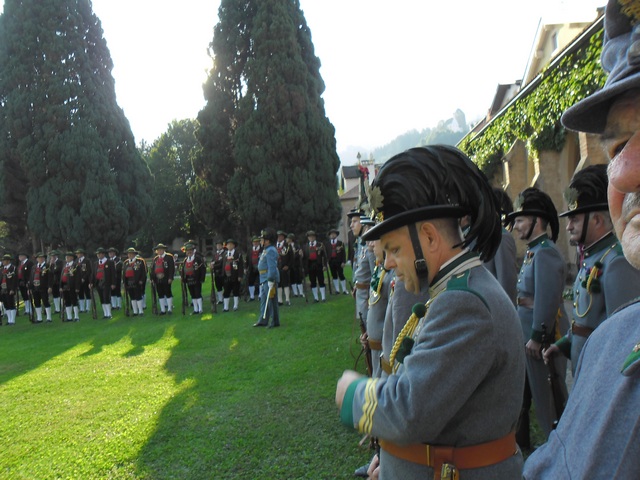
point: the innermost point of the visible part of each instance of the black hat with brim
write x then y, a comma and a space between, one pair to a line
533, 202
621, 59
587, 191
412, 216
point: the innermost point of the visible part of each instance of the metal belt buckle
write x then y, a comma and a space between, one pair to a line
449, 472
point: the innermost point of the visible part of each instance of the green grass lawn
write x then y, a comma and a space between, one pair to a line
179, 397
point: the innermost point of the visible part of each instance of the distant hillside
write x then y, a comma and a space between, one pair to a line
448, 132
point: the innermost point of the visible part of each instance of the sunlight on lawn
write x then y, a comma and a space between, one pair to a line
96, 405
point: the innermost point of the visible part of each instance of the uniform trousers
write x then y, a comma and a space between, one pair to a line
316, 275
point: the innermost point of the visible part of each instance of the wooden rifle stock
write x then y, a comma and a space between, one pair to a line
154, 298
366, 350
94, 313
554, 380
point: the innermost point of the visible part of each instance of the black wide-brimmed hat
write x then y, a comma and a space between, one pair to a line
354, 212
436, 181
620, 58
160, 246
587, 191
131, 250
334, 230
311, 233
533, 202
269, 234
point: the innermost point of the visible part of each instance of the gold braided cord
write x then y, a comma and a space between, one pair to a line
407, 331
592, 276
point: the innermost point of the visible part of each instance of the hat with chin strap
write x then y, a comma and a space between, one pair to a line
587, 193
620, 58
533, 202
432, 182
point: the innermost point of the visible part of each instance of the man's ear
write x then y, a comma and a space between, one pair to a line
430, 237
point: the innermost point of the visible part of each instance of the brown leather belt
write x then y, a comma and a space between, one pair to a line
463, 458
525, 302
385, 365
581, 330
375, 344
362, 286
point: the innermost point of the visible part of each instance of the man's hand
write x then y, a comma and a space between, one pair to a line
549, 353
533, 349
348, 377
374, 468
169, 281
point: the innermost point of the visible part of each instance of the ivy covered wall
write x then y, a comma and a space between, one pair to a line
535, 118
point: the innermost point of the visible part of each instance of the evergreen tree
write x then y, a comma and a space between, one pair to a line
283, 159
170, 161
223, 90
70, 169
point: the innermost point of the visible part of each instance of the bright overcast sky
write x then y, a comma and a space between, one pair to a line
388, 67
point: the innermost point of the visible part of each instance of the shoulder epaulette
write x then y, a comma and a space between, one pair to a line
169, 254
461, 283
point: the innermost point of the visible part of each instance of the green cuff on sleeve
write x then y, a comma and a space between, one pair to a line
536, 335
346, 412
564, 344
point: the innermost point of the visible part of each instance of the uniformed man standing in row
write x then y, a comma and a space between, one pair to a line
116, 291
194, 273
24, 276
233, 268
69, 286
605, 279
8, 288
315, 259
253, 275
540, 305
297, 273
337, 259
134, 273
217, 267
163, 267
55, 266
41, 281
285, 263
103, 280
85, 275
364, 260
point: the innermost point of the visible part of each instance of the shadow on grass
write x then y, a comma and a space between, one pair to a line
260, 402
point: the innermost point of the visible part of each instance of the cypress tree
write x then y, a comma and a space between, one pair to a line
223, 90
283, 147
65, 142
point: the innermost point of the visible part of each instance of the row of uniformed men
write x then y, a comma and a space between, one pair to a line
451, 398
605, 281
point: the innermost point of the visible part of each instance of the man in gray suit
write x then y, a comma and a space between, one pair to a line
605, 280
598, 435
450, 405
540, 306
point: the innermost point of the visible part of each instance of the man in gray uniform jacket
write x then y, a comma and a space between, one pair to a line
365, 263
598, 435
540, 285
605, 280
451, 404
